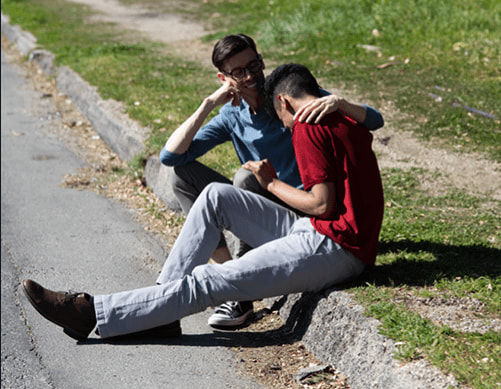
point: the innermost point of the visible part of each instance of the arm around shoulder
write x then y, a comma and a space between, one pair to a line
315, 110
363, 114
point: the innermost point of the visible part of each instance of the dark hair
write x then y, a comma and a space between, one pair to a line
229, 46
292, 79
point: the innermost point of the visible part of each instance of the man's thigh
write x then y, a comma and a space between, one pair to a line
302, 261
189, 180
198, 175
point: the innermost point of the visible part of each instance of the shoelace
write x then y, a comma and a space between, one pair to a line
228, 308
69, 297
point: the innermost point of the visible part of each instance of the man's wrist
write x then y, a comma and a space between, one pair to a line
343, 105
208, 105
272, 185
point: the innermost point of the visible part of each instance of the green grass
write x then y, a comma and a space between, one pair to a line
450, 49
437, 246
446, 245
474, 359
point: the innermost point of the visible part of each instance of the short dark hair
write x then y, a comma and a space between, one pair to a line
292, 79
229, 46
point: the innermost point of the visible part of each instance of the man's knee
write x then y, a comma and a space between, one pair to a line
214, 191
178, 176
181, 182
245, 179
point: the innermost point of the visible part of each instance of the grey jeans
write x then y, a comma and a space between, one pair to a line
290, 256
189, 180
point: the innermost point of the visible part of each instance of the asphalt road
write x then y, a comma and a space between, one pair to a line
69, 239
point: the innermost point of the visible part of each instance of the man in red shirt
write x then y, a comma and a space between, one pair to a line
343, 197
338, 168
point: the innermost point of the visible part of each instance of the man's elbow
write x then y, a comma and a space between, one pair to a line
324, 210
380, 122
377, 121
373, 119
169, 159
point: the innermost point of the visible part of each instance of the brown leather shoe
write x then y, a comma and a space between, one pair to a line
74, 312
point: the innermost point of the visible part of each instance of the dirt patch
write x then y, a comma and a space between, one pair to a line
181, 33
400, 148
463, 314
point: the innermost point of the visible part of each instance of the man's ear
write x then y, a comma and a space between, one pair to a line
282, 102
222, 77
285, 104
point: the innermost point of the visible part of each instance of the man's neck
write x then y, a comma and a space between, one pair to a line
297, 103
255, 104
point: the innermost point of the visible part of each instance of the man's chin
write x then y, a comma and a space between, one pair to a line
250, 93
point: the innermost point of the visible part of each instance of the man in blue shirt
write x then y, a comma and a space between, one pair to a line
255, 135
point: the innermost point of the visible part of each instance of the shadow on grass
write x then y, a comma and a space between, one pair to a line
450, 262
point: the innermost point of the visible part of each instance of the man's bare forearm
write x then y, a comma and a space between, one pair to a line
318, 202
354, 111
180, 140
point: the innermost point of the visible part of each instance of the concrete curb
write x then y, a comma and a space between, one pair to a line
123, 135
333, 327
157, 177
330, 324
25, 41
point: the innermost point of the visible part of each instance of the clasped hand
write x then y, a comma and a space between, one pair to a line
263, 170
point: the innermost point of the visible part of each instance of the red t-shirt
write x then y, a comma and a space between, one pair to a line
338, 150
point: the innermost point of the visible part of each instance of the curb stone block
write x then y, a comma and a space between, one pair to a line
157, 178
122, 134
333, 327
45, 60
25, 41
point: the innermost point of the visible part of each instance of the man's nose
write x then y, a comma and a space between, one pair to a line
248, 74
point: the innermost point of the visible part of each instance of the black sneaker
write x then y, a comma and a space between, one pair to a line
231, 314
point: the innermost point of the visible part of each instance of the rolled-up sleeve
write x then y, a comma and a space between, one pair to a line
373, 118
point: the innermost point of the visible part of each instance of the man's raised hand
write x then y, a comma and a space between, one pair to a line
226, 93
313, 111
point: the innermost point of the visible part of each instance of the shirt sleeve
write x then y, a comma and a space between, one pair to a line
208, 136
373, 119
313, 155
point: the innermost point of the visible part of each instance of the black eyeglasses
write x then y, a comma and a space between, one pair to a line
252, 67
